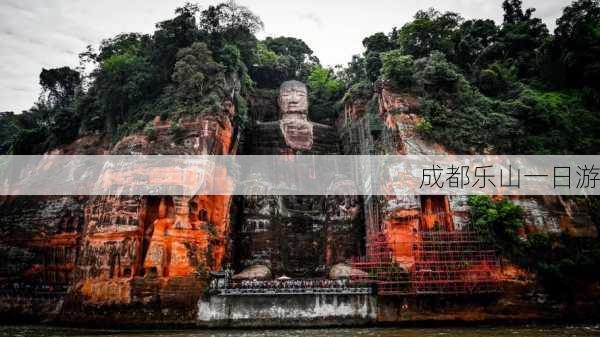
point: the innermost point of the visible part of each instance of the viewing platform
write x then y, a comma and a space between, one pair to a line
225, 287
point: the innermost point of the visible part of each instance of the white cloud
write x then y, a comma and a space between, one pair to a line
50, 33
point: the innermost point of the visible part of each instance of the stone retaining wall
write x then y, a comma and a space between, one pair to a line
287, 311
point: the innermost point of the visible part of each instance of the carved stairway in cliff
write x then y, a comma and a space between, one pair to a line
437, 262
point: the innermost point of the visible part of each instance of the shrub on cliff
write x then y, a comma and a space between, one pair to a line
499, 223
398, 69
460, 117
150, 132
497, 80
558, 260
8, 130
359, 92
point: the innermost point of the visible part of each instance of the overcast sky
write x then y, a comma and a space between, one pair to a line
51, 33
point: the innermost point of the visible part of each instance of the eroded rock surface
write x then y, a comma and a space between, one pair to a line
143, 259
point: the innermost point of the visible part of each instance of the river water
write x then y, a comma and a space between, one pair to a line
520, 331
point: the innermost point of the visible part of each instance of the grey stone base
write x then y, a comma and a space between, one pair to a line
287, 311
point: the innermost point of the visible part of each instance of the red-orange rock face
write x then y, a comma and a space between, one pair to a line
394, 103
134, 256
416, 244
426, 235
130, 241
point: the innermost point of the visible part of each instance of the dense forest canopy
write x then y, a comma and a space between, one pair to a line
512, 88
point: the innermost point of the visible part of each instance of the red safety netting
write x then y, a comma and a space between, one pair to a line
440, 261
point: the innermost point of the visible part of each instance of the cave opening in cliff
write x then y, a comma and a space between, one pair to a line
435, 214
151, 215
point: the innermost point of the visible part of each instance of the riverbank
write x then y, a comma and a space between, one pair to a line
299, 311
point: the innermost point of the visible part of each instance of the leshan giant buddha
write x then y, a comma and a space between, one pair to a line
299, 236
293, 133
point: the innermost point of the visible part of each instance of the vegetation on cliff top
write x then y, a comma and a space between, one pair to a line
513, 88
509, 88
186, 67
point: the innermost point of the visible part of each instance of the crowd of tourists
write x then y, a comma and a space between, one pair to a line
28, 289
289, 284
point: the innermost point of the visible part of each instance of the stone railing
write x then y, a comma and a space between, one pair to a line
294, 291
288, 287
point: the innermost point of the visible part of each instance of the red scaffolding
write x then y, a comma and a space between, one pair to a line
437, 261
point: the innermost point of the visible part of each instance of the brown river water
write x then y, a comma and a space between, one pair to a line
518, 331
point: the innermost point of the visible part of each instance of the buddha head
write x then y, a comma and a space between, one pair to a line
293, 100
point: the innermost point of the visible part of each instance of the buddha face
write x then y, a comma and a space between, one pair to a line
293, 100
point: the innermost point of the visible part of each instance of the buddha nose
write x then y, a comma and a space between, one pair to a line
294, 97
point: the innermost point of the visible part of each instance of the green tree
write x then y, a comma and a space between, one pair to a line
270, 69
435, 73
378, 42
354, 72
324, 90
559, 261
513, 12
59, 85
575, 48
499, 223
430, 30
375, 45
230, 23
520, 39
229, 16
280, 59
290, 46
196, 74
170, 36
129, 43
471, 40
265, 56
398, 68
9, 128
372, 64
299, 57
121, 82
322, 81
231, 58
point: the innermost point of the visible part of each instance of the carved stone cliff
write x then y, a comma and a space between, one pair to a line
147, 259
301, 236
